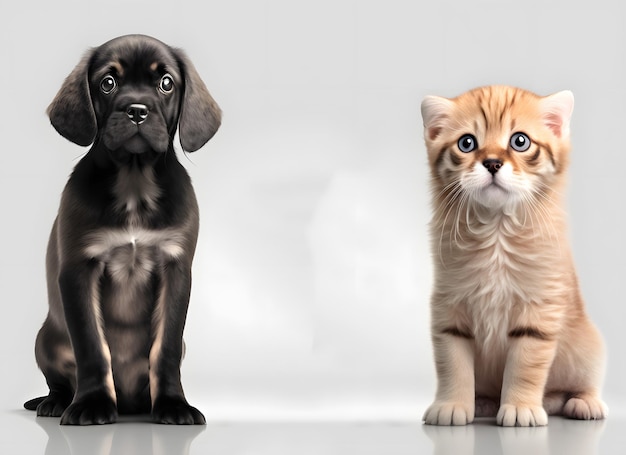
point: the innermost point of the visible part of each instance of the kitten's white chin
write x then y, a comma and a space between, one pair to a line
494, 197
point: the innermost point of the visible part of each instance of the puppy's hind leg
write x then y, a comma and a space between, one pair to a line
53, 350
56, 360
58, 399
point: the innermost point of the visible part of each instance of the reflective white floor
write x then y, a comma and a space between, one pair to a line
22, 432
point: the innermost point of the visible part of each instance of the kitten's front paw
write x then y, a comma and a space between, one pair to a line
449, 413
585, 407
510, 415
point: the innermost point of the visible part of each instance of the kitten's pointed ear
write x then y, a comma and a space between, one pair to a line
435, 110
557, 112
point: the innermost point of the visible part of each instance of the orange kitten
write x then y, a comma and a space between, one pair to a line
508, 320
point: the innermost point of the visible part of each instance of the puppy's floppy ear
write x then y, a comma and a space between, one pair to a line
71, 111
200, 116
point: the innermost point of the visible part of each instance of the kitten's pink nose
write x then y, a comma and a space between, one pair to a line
492, 165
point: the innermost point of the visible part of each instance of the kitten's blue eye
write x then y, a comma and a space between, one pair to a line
520, 142
467, 143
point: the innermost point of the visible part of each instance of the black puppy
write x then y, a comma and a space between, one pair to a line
120, 252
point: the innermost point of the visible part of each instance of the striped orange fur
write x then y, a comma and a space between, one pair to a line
508, 320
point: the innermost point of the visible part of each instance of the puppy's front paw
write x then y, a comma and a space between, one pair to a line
449, 413
511, 415
176, 411
585, 407
93, 409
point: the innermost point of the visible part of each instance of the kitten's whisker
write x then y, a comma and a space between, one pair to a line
527, 208
541, 192
544, 217
450, 199
451, 192
464, 205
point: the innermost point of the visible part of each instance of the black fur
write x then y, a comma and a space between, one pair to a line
120, 252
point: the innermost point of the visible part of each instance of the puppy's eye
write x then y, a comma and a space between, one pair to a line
108, 84
520, 142
467, 143
167, 84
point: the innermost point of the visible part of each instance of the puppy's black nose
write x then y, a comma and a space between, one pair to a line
137, 113
492, 165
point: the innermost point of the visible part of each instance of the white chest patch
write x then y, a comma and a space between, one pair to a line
132, 254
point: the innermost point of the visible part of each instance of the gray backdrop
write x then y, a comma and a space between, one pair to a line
313, 271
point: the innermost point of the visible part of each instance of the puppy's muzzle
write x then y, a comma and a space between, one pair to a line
137, 113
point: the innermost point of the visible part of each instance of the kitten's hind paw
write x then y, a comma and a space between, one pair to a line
585, 407
449, 413
511, 415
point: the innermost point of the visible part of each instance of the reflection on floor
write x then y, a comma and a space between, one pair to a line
23, 432
561, 436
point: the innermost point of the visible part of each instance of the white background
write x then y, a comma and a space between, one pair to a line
312, 273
